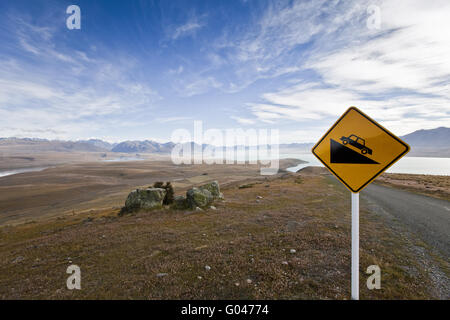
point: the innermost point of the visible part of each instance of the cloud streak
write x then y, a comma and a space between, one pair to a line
187, 29
58, 94
400, 74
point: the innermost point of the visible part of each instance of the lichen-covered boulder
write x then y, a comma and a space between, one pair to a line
150, 198
197, 197
180, 203
214, 188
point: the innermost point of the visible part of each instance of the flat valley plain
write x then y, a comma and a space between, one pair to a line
285, 236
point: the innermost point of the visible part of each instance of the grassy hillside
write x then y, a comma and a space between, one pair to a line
247, 243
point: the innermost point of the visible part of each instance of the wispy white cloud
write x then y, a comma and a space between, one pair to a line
196, 84
317, 105
187, 29
172, 119
176, 71
55, 93
279, 41
244, 121
399, 74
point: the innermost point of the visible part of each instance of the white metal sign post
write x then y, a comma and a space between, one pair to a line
355, 246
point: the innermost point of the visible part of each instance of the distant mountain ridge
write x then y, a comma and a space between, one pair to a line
100, 143
43, 145
143, 146
438, 138
431, 143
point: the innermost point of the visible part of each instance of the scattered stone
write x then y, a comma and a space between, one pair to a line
259, 197
207, 268
154, 253
213, 188
292, 225
197, 197
88, 219
162, 274
199, 277
198, 209
213, 208
236, 284
18, 259
292, 251
285, 263
258, 201
150, 198
249, 281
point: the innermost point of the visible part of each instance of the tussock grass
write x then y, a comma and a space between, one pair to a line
429, 185
243, 239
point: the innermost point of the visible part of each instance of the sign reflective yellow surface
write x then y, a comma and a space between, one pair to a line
356, 149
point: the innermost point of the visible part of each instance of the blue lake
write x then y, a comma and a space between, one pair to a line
124, 159
414, 165
22, 170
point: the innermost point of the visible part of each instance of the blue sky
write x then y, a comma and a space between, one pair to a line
141, 69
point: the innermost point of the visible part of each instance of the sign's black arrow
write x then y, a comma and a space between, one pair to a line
342, 154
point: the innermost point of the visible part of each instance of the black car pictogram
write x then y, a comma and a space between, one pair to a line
357, 142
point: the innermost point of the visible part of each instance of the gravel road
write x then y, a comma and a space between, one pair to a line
426, 216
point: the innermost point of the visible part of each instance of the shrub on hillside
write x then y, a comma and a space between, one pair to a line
168, 199
158, 184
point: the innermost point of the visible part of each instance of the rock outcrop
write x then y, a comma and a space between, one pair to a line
146, 199
153, 198
203, 196
213, 188
196, 197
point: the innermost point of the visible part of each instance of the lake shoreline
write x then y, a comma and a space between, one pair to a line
7, 173
407, 165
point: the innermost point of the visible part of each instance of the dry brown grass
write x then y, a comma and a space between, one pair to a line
245, 238
430, 185
83, 186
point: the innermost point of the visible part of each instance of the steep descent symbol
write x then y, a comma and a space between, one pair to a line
357, 142
342, 154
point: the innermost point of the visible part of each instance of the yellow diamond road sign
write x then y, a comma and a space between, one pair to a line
356, 149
